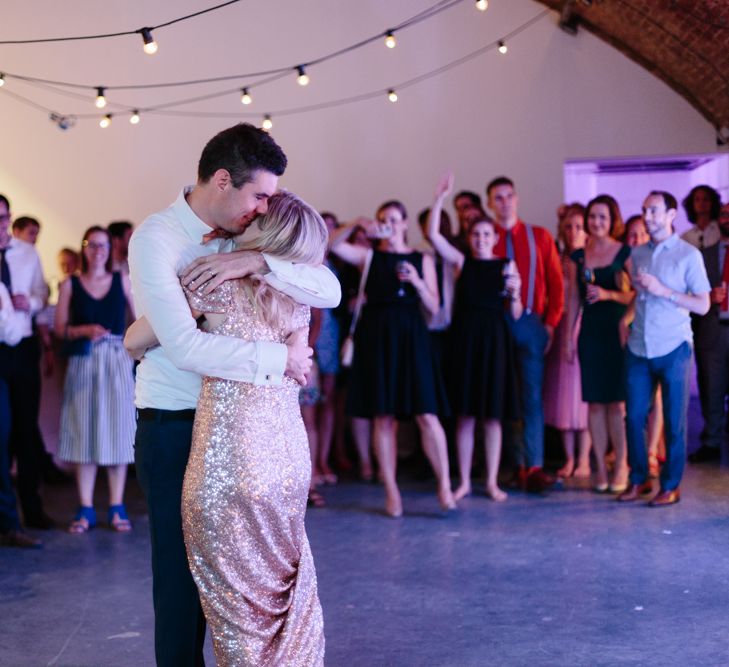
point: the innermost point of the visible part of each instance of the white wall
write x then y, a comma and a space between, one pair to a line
552, 97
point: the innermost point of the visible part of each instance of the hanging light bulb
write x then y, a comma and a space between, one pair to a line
502, 47
2, 79
392, 95
267, 123
150, 46
105, 121
245, 97
390, 41
482, 5
303, 77
134, 118
100, 98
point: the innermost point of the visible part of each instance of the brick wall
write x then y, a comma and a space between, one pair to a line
683, 42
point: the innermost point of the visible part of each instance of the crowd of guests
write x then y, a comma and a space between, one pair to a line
484, 333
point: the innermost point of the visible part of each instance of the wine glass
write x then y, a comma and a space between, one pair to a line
400, 267
642, 270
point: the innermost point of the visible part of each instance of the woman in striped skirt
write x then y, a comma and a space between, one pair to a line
97, 416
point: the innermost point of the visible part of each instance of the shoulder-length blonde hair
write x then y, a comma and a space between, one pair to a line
291, 230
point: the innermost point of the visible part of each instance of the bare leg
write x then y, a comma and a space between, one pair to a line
465, 427
436, 449
583, 458
85, 483
117, 476
568, 443
597, 419
616, 426
361, 432
385, 445
493, 459
325, 414
656, 443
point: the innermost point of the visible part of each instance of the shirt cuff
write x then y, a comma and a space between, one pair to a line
271, 363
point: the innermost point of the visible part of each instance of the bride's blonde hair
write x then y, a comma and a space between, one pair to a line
290, 230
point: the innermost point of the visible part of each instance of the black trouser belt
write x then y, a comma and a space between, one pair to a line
153, 414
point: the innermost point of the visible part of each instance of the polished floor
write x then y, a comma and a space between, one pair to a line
573, 578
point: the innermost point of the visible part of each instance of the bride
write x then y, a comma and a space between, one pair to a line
247, 479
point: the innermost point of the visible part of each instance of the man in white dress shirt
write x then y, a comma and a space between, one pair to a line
22, 275
237, 173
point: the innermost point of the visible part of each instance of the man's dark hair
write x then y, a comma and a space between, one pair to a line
668, 199
471, 196
118, 228
5, 200
499, 180
19, 224
688, 202
241, 150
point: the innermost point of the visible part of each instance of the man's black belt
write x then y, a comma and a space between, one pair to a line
153, 414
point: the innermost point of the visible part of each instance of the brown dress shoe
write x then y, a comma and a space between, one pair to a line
538, 481
666, 498
20, 539
635, 491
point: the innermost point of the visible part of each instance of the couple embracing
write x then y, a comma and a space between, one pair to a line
221, 450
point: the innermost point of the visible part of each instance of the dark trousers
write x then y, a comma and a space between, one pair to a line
19, 368
162, 447
8, 509
530, 337
712, 372
671, 371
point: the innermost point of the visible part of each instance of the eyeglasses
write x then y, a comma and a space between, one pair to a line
95, 246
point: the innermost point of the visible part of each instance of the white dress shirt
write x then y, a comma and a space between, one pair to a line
703, 238
168, 378
26, 275
12, 322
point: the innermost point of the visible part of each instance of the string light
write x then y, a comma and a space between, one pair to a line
100, 98
150, 46
390, 41
2, 79
267, 123
392, 95
502, 47
245, 97
303, 77
105, 121
482, 5
134, 118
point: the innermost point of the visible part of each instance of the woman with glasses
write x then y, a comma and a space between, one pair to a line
97, 416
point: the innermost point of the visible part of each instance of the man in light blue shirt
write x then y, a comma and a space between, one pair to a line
670, 281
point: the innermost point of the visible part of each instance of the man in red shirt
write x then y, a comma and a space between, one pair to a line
542, 293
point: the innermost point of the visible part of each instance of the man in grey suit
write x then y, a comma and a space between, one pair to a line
711, 338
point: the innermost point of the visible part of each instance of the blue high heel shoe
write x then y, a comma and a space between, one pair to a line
118, 519
84, 521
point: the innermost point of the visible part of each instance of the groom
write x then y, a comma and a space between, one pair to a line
237, 173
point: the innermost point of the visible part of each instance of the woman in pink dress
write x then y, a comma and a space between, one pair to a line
564, 408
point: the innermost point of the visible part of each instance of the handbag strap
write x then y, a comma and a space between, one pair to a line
361, 293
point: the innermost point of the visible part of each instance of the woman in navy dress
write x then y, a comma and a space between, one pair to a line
480, 360
600, 271
394, 371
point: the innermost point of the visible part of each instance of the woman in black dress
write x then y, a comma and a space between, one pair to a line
600, 271
482, 371
394, 374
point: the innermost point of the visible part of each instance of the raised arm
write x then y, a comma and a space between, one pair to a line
448, 252
339, 242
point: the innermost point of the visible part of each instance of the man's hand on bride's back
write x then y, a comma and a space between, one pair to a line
298, 361
213, 270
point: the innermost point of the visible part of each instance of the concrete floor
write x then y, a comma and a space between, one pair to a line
569, 579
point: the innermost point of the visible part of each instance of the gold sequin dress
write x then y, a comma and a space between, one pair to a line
243, 505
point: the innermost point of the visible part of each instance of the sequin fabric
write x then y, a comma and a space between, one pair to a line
243, 505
